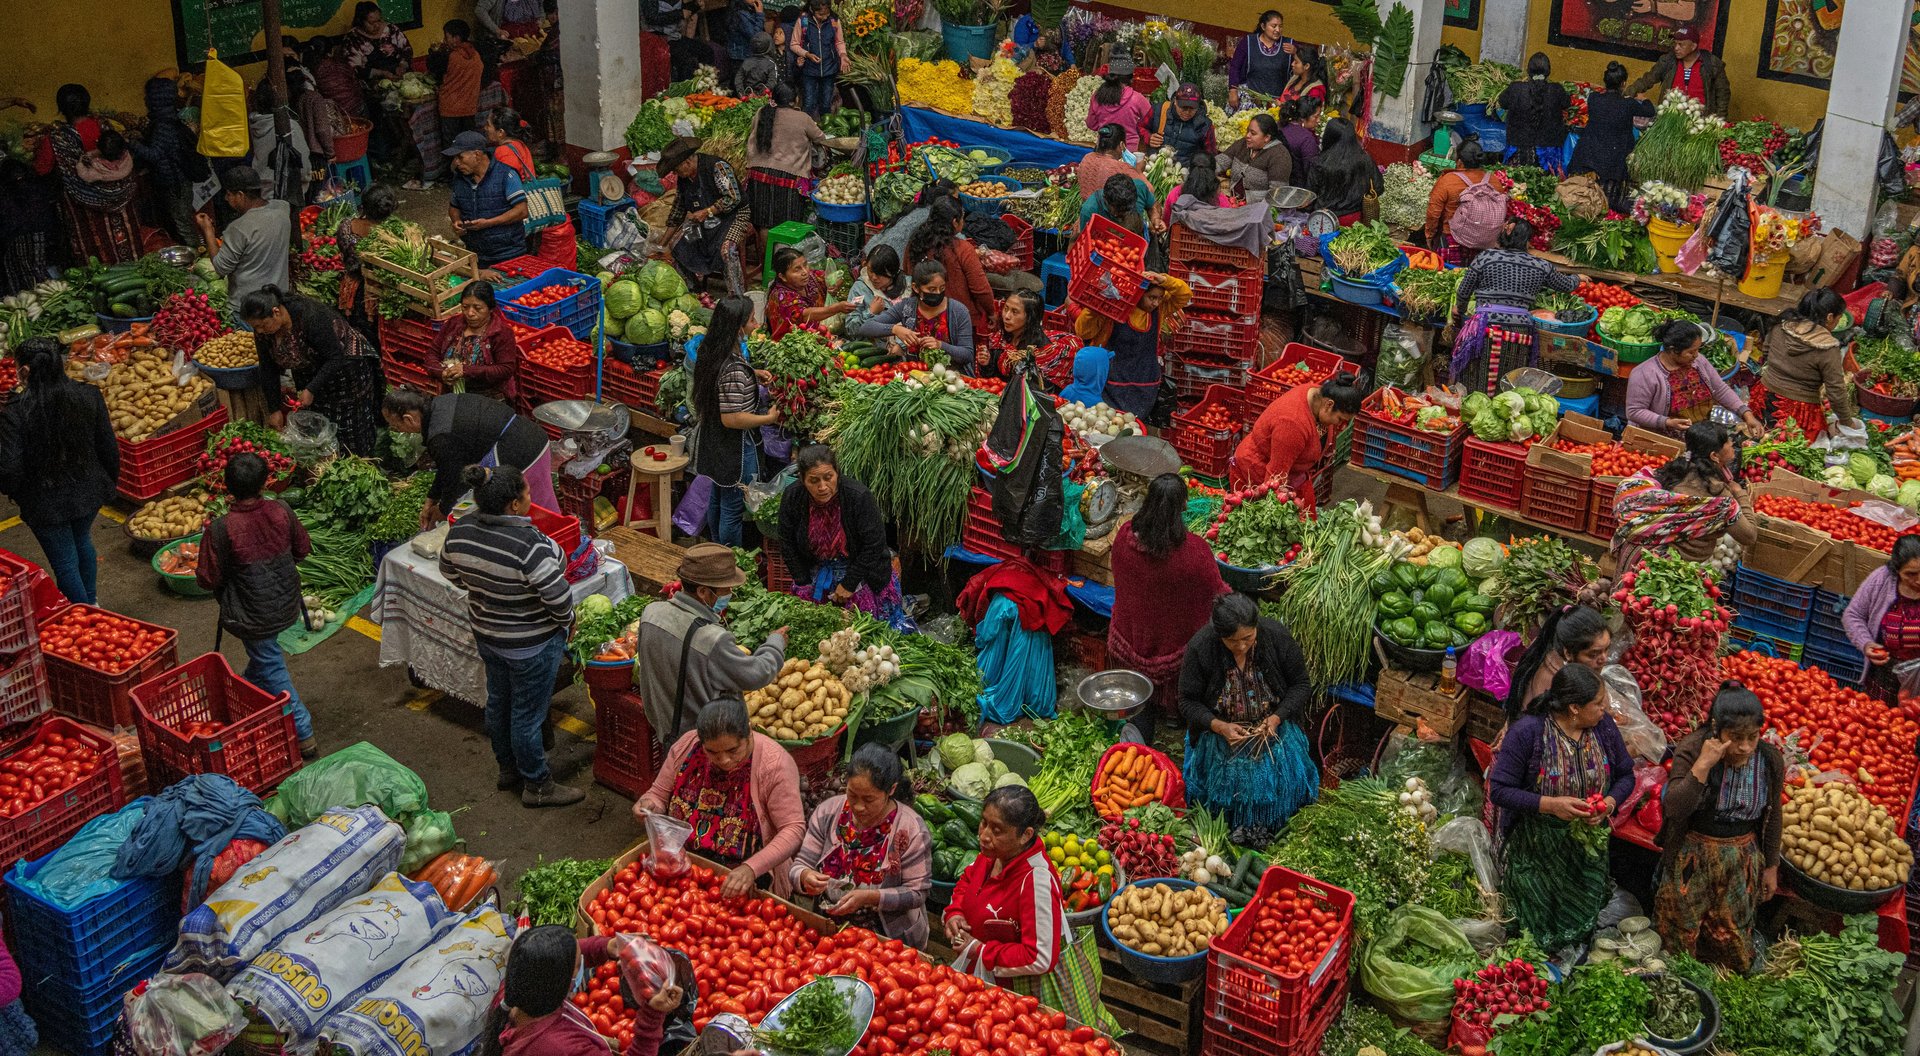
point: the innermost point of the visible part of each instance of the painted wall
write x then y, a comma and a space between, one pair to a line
113, 46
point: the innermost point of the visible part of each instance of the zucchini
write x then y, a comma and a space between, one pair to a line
83, 332
1233, 895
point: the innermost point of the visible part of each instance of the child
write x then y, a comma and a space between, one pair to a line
534, 1018
108, 162
456, 63
798, 295
877, 286
759, 73
819, 54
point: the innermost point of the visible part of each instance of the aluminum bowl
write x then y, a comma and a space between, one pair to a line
856, 992
1117, 694
607, 422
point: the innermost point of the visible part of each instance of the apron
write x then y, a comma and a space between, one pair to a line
1268, 74
1072, 987
539, 475
1692, 400
1133, 378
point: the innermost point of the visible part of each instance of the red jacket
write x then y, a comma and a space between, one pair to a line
568, 1032
1024, 891
1284, 441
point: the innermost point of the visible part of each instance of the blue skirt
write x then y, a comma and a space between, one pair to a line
1259, 791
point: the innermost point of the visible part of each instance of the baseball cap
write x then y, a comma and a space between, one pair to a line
1685, 33
1186, 93
464, 142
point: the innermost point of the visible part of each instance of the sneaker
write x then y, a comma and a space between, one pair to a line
309, 747
550, 794
510, 781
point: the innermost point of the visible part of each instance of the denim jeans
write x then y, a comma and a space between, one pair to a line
70, 557
818, 94
727, 514
267, 668
518, 695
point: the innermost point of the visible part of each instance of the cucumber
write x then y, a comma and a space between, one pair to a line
1242, 869
121, 309
1233, 895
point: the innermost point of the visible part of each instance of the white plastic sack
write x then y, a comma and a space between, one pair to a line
434, 1004
181, 1015
290, 885
318, 970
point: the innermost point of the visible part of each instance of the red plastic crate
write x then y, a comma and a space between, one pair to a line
1272, 381
1214, 339
1185, 247
779, 580
1225, 290
1206, 452
46, 825
402, 374
94, 696
408, 339
1191, 381
20, 582
620, 383
1220, 396
626, 753
523, 267
1276, 1005
981, 533
1493, 472
23, 688
1022, 249
1223, 1038
149, 467
257, 745
1556, 500
558, 527
1600, 519
1104, 286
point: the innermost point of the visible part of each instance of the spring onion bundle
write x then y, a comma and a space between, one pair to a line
1329, 604
912, 445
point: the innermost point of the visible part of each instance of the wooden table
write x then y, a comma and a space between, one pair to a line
659, 475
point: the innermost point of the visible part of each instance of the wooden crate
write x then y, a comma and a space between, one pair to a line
1484, 718
427, 293
1401, 697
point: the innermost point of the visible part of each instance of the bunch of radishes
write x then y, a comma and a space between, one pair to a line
1511, 989
1139, 852
186, 321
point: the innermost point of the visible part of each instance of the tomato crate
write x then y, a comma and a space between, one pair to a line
1225, 1038
1273, 1004
523, 267
148, 468
256, 745
86, 942
542, 384
1601, 522
401, 374
626, 754
23, 688
21, 581
981, 533
1186, 247
38, 828
1218, 398
1493, 472
1555, 500
1202, 449
1215, 336
1225, 290
1191, 381
411, 340
578, 311
1297, 365
95, 696
1022, 248
1100, 285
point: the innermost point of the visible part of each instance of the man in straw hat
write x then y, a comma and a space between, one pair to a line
687, 658
709, 221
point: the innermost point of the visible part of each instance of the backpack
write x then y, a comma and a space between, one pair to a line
1482, 213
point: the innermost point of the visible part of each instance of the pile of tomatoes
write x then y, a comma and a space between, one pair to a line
748, 954
1841, 728
1213, 417
53, 763
546, 295
99, 639
1605, 295
1838, 521
1115, 252
9, 375
881, 373
1611, 460
201, 729
560, 353
1291, 931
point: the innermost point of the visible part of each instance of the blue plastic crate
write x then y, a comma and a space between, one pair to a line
1373, 456
1781, 595
1847, 666
1828, 639
1054, 275
1828, 608
81, 1021
1774, 627
594, 218
584, 303
83, 945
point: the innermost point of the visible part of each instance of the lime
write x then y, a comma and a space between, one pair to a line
1057, 856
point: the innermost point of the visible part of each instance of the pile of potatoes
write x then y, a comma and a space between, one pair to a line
229, 350
169, 518
143, 393
804, 702
1165, 921
1837, 836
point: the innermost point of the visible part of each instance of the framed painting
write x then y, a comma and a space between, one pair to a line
1462, 13
1640, 29
1803, 35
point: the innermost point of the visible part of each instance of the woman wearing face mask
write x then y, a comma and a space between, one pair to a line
834, 541
1683, 508
1883, 619
939, 239
867, 847
1721, 833
547, 964
741, 793
1564, 750
477, 350
929, 322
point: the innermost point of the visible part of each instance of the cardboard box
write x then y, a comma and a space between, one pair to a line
1791, 551
1581, 429
1845, 564
583, 924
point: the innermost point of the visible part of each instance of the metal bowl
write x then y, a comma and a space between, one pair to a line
177, 256
604, 422
857, 994
1116, 694
1289, 197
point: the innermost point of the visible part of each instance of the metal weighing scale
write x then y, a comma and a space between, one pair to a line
1446, 142
588, 430
604, 186
1131, 463
1117, 695
1289, 205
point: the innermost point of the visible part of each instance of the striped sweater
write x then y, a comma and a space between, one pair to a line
517, 593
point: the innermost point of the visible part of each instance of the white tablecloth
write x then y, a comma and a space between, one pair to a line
424, 625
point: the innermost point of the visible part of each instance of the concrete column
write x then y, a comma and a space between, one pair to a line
1396, 119
1503, 31
1873, 46
600, 65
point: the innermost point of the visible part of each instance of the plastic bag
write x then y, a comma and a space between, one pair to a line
1619, 907
1842, 436
82, 867
645, 965
225, 864
667, 846
181, 1015
1907, 674
1486, 935
429, 835
223, 112
311, 437
356, 774
1469, 836
1401, 358
1443, 769
1645, 740
1485, 666
1423, 995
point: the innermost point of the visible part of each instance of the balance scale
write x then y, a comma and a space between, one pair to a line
604, 186
1131, 463
1445, 142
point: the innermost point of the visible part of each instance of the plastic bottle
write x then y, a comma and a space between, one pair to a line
1447, 666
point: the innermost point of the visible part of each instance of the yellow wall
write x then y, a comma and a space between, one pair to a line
113, 46
1789, 104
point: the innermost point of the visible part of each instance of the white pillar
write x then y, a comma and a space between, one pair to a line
1873, 46
1503, 31
1396, 119
600, 66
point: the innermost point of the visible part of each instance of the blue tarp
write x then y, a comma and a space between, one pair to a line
1027, 149
1016, 665
1097, 597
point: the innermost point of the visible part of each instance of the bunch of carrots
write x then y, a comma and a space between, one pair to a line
1130, 778
459, 878
1905, 452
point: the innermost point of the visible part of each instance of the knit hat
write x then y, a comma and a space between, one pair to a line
763, 43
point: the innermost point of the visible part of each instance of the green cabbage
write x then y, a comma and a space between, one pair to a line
1861, 468
956, 750
661, 281
996, 768
1909, 496
1474, 404
594, 605
1009, 778
1489, 425
972, 780
982, 751
623, 298
1481, 557
648, 327
1883, 486
1443, 557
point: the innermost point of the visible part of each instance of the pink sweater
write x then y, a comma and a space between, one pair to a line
1130, 113
776, 801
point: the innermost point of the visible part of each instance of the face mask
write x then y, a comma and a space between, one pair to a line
581, 978
720, 603
933, 300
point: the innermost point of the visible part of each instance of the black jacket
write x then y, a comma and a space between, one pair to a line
1608, 138
1719, 93
250, 560
1275, 655
462, 427
1536, 116
168, 150
868, 559
47, 497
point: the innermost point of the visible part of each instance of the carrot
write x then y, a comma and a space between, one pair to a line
1141, 800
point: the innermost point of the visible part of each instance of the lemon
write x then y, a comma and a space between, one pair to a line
1103, 857
1104, 871
1072, 844
1057, 856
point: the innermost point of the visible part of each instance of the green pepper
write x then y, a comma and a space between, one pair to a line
967, 814
931, 810
1456, 639
1427, 574
1394, 603
1470, 623
954, 834
1454, 580
1437, 635
1440, 596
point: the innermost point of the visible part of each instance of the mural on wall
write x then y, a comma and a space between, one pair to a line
1462, 13
1802, 36
1637, 28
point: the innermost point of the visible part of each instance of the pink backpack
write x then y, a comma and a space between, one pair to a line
1482, 213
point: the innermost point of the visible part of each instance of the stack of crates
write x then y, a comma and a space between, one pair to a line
1256, 1009
23, 670
1828, 646
406, 354
1217, 342
1772, 609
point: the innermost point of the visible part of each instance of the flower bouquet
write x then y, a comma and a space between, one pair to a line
1577, 92
1669, 203
1775, 232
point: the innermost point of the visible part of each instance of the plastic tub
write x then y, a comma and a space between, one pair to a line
1154, 969
184, 585
840, 214
1019, 758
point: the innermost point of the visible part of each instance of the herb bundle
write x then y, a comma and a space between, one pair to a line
550, 891
1541, 573
1329, 604
1616, 243
1363, 249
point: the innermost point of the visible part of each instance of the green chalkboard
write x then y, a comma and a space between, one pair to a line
232, 27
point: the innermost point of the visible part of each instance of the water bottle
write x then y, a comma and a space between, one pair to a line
1447, 666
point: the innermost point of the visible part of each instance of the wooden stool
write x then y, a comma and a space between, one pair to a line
660, 477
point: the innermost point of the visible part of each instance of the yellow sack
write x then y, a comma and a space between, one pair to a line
223, 112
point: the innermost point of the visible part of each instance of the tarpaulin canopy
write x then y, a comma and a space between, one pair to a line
1027, 149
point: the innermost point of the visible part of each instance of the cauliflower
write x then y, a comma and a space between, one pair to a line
677, 324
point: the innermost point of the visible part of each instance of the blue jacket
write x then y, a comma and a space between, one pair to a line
498, 190
1089, 376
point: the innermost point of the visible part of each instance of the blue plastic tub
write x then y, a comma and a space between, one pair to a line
1357, 292
840, 214
967, 42
230, 378
114, 324
988, 168
990, 206
1168, 970
1378, 277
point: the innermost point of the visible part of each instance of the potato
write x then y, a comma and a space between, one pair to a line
1838, 837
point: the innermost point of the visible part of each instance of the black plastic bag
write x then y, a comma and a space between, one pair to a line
1728, 234
1023, 461
1891, 171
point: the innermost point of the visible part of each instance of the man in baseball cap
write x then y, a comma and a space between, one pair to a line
488, 206
1697, 74
687, 658
1182, 125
